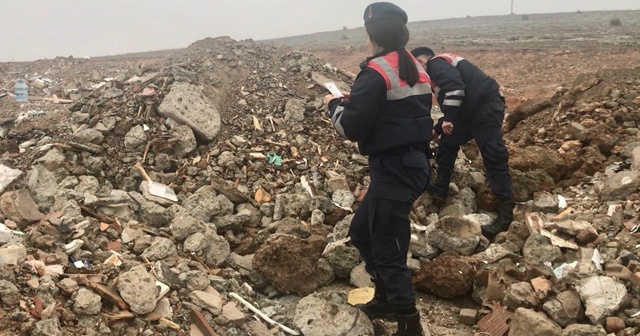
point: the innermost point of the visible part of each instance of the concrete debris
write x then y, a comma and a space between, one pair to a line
529, 322
265, 193
328, 314
138, 289
602, 296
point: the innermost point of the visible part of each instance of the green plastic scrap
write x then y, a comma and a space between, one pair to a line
274, 159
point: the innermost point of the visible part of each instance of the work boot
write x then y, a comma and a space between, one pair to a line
502, 223
439, 188
409, 325
437, 191
378, 307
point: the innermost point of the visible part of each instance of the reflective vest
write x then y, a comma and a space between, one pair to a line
387, 66
453, 59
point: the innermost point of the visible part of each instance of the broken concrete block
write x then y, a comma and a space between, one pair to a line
468, 316
529, 322
602, 296
187, 104
455, 234
520, 294
19, 207
566, 308
328, 314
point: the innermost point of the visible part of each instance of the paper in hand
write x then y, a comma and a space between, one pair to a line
331, 86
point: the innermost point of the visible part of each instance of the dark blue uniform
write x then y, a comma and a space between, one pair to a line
471, 100
391, 123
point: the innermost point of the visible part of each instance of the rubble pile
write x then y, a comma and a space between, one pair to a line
208, 192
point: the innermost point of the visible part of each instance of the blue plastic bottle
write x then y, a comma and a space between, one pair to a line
21, 91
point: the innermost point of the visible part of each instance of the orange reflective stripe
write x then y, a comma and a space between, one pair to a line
387, 66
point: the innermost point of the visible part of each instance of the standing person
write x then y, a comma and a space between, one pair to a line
388, 113
473, 108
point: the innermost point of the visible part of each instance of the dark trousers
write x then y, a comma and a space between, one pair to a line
380, 229
485, 127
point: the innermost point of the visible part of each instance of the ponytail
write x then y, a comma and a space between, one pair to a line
408, 70
394, 35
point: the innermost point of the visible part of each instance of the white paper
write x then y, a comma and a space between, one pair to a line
331, 86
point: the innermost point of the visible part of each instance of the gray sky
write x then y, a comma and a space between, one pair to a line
34, 29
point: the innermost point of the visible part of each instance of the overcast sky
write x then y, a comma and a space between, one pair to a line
34, 29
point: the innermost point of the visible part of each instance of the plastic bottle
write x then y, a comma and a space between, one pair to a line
21, 91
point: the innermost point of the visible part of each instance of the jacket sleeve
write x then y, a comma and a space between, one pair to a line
452, 88
356, 118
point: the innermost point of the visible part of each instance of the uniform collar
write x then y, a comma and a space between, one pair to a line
363, 65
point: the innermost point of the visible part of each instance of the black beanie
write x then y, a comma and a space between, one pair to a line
422, 51
379, 11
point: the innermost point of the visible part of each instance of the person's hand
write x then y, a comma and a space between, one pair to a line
447, 127
327, 99
347, 96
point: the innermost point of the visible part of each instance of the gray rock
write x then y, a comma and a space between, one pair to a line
203, 204
419, 245
48, 327
195, 243
9, 293
13, 254
232, 222
538, 250
620, 185
68, 285
584, 330
328, 314
88, 185
343, 259
463, 203
89, 136
136, 138
160, 248
19, 207
112, 93
184, 226
520, 294
360, 278
138, 288
195, 280
43, 187
566, 308
344, 198
187, 104
294, 111
317, 218
578, 132
186, 141
87, 303
128, 235
529, 322
602, 297
341, 230
53, 160
455, 234
336, 181
216, 250
627, 152
209, 301
544, 202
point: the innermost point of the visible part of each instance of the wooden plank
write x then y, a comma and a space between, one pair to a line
320, 79
108, 294
201, 322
